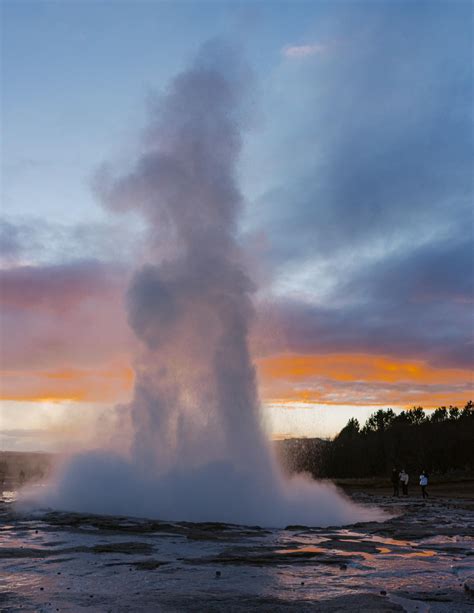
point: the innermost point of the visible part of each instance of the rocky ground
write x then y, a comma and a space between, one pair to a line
419, 560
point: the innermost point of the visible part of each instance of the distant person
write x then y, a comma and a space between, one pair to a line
404, 478
395, 482
424, 483
22, 477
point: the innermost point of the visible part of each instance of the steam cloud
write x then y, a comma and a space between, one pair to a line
198, 450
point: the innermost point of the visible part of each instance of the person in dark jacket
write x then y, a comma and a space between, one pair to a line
424, 483
395, 482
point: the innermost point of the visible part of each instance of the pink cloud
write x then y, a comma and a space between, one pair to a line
69, 315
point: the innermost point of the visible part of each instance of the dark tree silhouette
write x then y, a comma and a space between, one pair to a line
415, 440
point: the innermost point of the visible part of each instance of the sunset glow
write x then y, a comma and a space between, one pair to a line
326, 379
104, 384
236, 305
361, 379
352, 193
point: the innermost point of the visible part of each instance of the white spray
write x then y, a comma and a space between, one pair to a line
198, 450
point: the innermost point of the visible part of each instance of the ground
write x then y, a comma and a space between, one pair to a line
419, 560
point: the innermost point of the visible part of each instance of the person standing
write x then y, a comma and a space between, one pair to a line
395, 482
404, 478
424, 483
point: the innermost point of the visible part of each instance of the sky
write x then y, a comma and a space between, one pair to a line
356, 172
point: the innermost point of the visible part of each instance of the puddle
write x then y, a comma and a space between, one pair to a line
123, 564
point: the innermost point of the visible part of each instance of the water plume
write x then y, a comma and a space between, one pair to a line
198, 450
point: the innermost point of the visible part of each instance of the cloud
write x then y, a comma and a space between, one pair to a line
439, 335
368, 393
109, 382
9, 241
25, 240
302, 51
364, 204
440, 272
375, 143
409, 305
62, 315
367, 192
64, 327
360, 379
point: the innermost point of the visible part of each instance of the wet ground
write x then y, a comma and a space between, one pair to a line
420, 560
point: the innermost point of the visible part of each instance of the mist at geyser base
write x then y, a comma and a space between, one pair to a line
198, 450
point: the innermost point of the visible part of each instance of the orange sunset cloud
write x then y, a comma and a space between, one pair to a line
357, 379
109, 383
361, 379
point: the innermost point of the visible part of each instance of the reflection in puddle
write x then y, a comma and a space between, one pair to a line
353, 553
366, 538
419, 554
85, 565
383, 550
304, 549
325, 551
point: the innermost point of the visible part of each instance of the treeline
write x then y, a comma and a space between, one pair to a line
439, 441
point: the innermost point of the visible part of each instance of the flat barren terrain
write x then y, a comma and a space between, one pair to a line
420, 559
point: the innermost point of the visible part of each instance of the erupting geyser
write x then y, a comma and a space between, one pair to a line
198, 451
